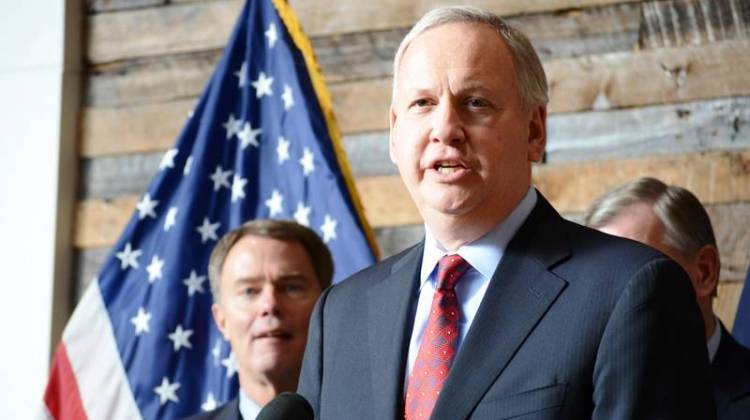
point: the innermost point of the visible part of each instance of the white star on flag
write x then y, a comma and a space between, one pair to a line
154, 269
167, 391
271, 34
140, 321
287, 97
238, 187
220, 178
168, 160
275, 203
208, 230
302, 215
146, 207
171, 218
329, 228
242, 74
194, 283
128, 257
210, 402
188, 165
308, 166
230, 363
248, 135
282, 149
216, 351
263, 85
181, 338
232, 126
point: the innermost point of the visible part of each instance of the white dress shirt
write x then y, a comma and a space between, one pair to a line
483, 255
249, 409
714, 341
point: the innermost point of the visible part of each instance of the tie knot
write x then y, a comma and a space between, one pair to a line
450, 270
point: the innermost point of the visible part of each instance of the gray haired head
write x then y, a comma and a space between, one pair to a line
532, 81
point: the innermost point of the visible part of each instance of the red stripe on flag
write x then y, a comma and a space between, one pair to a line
62, 396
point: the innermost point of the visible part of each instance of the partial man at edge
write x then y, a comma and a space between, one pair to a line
265, 277
505, 309
672, 220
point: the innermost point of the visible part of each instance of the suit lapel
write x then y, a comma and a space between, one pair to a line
519, 294
388, 343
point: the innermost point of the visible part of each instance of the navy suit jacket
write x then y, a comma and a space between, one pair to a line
574, 324
731, 375
228, 411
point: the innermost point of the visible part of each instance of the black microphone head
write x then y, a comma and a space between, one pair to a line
287, 406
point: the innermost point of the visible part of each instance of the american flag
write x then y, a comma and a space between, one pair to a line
261, 143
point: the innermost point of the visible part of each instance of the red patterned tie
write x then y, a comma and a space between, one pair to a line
438, 346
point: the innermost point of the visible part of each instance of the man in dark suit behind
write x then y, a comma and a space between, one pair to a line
672, 220
265, 278
505, 310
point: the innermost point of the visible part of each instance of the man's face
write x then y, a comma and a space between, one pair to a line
268, 290
459, 136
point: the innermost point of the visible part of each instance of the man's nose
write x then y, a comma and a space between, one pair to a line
269, 301
447, 126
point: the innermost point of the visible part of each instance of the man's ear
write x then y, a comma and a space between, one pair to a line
220, 319
708, 266
537, 133
391, 124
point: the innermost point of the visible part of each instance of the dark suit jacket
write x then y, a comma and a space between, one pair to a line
575, 324
228, 411
731, 375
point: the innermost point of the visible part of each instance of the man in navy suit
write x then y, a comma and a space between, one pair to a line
672, 220
504, 310
265, 278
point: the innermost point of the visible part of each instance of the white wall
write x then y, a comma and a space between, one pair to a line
37, 133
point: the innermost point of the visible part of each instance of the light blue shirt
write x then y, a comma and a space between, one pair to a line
249, 409
483, 255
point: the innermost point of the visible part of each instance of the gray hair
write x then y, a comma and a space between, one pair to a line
532, 82
686, 224
283, 230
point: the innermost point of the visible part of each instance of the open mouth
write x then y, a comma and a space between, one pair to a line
447, 168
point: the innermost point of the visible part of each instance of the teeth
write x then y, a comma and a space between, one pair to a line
447, 169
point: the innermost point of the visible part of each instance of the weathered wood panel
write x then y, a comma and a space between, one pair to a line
137, 129
644, 78
715, 177
98, 6
677, 23
206, 25
357, 56
600, 82
719, 124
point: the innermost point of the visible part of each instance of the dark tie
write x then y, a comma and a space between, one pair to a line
439, 341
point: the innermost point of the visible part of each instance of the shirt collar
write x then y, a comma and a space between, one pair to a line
249, 409
483, 254
714, 341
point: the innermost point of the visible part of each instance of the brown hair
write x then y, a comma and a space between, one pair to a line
283, 230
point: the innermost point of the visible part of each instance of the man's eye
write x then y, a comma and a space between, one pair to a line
476, 102
421, 103
250, 291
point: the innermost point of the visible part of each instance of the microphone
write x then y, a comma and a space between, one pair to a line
287, 406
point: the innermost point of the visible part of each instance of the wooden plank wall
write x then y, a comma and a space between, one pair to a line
637, 88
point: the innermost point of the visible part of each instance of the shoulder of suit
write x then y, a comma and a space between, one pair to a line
378, 271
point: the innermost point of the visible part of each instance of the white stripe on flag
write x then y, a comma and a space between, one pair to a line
96, 362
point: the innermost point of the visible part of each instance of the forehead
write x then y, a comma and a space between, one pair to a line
254, 255
456, 45
637, 222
